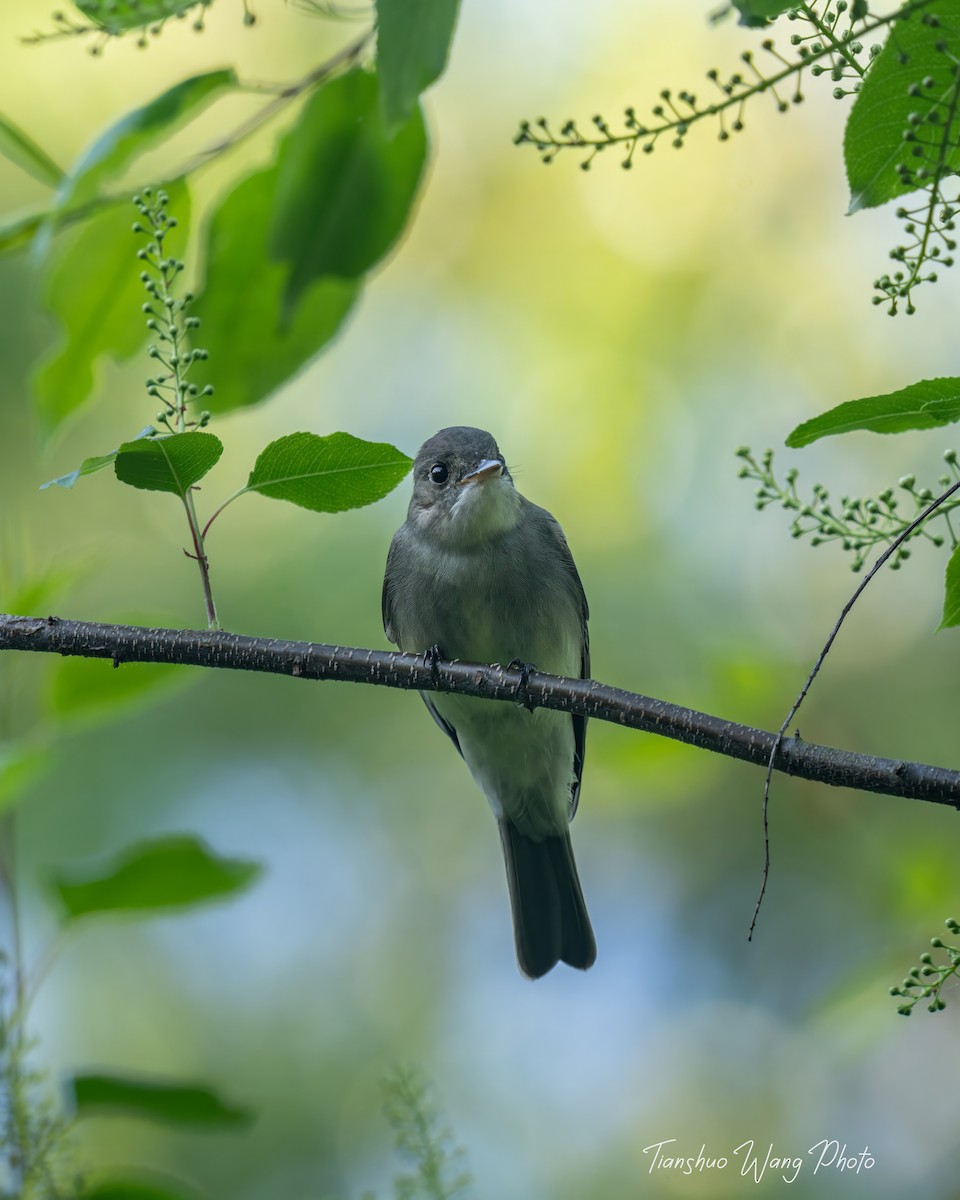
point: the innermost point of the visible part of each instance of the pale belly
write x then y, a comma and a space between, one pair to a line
523, 761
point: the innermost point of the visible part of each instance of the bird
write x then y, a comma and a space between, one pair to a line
478, 573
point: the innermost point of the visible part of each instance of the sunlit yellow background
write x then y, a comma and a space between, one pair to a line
620, 333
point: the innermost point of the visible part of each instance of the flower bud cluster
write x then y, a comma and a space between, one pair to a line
926, 981
858, 524
167, 317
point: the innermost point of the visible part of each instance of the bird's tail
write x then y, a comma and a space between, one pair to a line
550, 919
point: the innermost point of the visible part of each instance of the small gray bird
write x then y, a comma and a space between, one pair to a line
478, 573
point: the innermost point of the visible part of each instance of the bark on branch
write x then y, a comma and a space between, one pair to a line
306, 660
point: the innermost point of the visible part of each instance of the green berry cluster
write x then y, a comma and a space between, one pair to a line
118, 16
857, 524
926, 981
167, 318
829, 45
931, 142
108, 19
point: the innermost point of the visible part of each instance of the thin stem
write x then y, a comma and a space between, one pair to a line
202, 561
778, 739
735, 93
953, 536
291, 91
826, 31
282, 96
936, 198
218, 511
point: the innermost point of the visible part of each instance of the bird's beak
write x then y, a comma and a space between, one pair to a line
490, 468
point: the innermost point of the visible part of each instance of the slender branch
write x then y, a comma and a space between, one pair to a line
287, 92
827, 31
736, 92
306, 660
281, 95
778, 739
203, 562
217, 511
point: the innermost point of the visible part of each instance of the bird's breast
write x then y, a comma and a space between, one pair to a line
481, 610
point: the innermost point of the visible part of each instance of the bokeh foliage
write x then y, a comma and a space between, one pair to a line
620, 342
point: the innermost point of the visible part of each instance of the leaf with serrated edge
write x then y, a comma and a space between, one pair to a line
951, 599
873, 141
168, 464
923, 405
90, 466
152, 876
327, 474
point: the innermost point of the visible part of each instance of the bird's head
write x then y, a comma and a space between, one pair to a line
463, 494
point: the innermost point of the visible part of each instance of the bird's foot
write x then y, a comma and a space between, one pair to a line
521, 696
432, 657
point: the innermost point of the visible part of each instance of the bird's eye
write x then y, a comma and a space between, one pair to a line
439, 473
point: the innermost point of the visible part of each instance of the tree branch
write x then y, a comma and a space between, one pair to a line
236, 652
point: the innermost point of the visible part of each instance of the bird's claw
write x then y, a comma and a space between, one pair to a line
521, 696
432, 657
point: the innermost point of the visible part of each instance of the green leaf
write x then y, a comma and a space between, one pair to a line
167, 873
327, 474
21, 149
139, 1187
413, 42
90, 466
168, 464
95, 292
344, 188
923, 405
85, 688
951, 600
873, 143
120, 16
135, 132
159, 1100
19, 231
239, 307
755, 13
32, 594
21, 765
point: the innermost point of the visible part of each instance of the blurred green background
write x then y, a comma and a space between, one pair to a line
620, 333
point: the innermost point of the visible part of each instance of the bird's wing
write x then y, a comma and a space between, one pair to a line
390, 630
385, 597
447, 728
579, 723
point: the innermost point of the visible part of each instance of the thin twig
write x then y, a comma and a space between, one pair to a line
778, 739
350, 53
